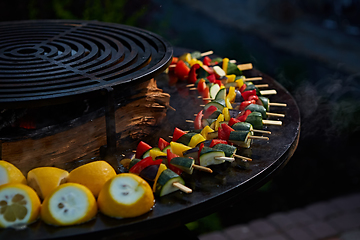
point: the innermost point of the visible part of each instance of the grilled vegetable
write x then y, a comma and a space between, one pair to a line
184, 163
209, 156
229, 150
257, 108
164, 184
240, 138
255, 119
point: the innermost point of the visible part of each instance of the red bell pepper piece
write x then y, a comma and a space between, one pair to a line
192, 74
173, 63
174, 60
200, 148
247, 94
210, 70
210, 110
244, 104
207, 61
226, 131
218, 82
170, 156
138, 167
197, 122
201, 85
162, 143
177, 134
217, 141
206, 94
243, 117
181, 70
232, 121
211, 78
242, 88
253, 97
141, 148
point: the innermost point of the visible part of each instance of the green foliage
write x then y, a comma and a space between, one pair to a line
206, 224
115, 11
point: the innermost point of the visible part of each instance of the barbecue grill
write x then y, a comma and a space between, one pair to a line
55, 62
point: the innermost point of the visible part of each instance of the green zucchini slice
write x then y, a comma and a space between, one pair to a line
229, 150
257, 108
240, 138
218, 103
208, 156
164, 184
255, 119
242, 126
184, 163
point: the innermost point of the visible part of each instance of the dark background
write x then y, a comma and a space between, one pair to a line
310, 47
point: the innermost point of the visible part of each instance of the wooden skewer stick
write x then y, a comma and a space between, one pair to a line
190, 85
202, 168
259, 137
275, 114
228, 159
252, 79
242, 157
261, 131
189, 121
193, 88
181, 187
246, 66
272, 122
261, 85
268, 92
277, 104
172, 65
206, 53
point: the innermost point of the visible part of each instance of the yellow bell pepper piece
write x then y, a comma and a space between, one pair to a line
195, 61
231, 95
185, 57
205, 131
162, 167
240, 81
225, 64
178, 148
226, 114
196, 139
156, 152
231, 78
218, 121
228, 103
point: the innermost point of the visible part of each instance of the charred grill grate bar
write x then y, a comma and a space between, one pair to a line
48, 62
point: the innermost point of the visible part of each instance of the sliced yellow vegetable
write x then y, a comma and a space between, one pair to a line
218, 121
195, 61
225, 64
231, 78
205, 131
240, 81
162, 167
197, 138
156, 152
226, 114
231, 95
186, 57
178, 148
228, 103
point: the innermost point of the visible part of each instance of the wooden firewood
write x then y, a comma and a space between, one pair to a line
144, 110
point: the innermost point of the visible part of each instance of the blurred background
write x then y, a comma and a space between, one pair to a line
310, 46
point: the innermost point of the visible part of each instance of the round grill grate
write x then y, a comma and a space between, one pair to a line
49, 61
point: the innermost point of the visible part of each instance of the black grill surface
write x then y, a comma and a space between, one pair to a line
46, 62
